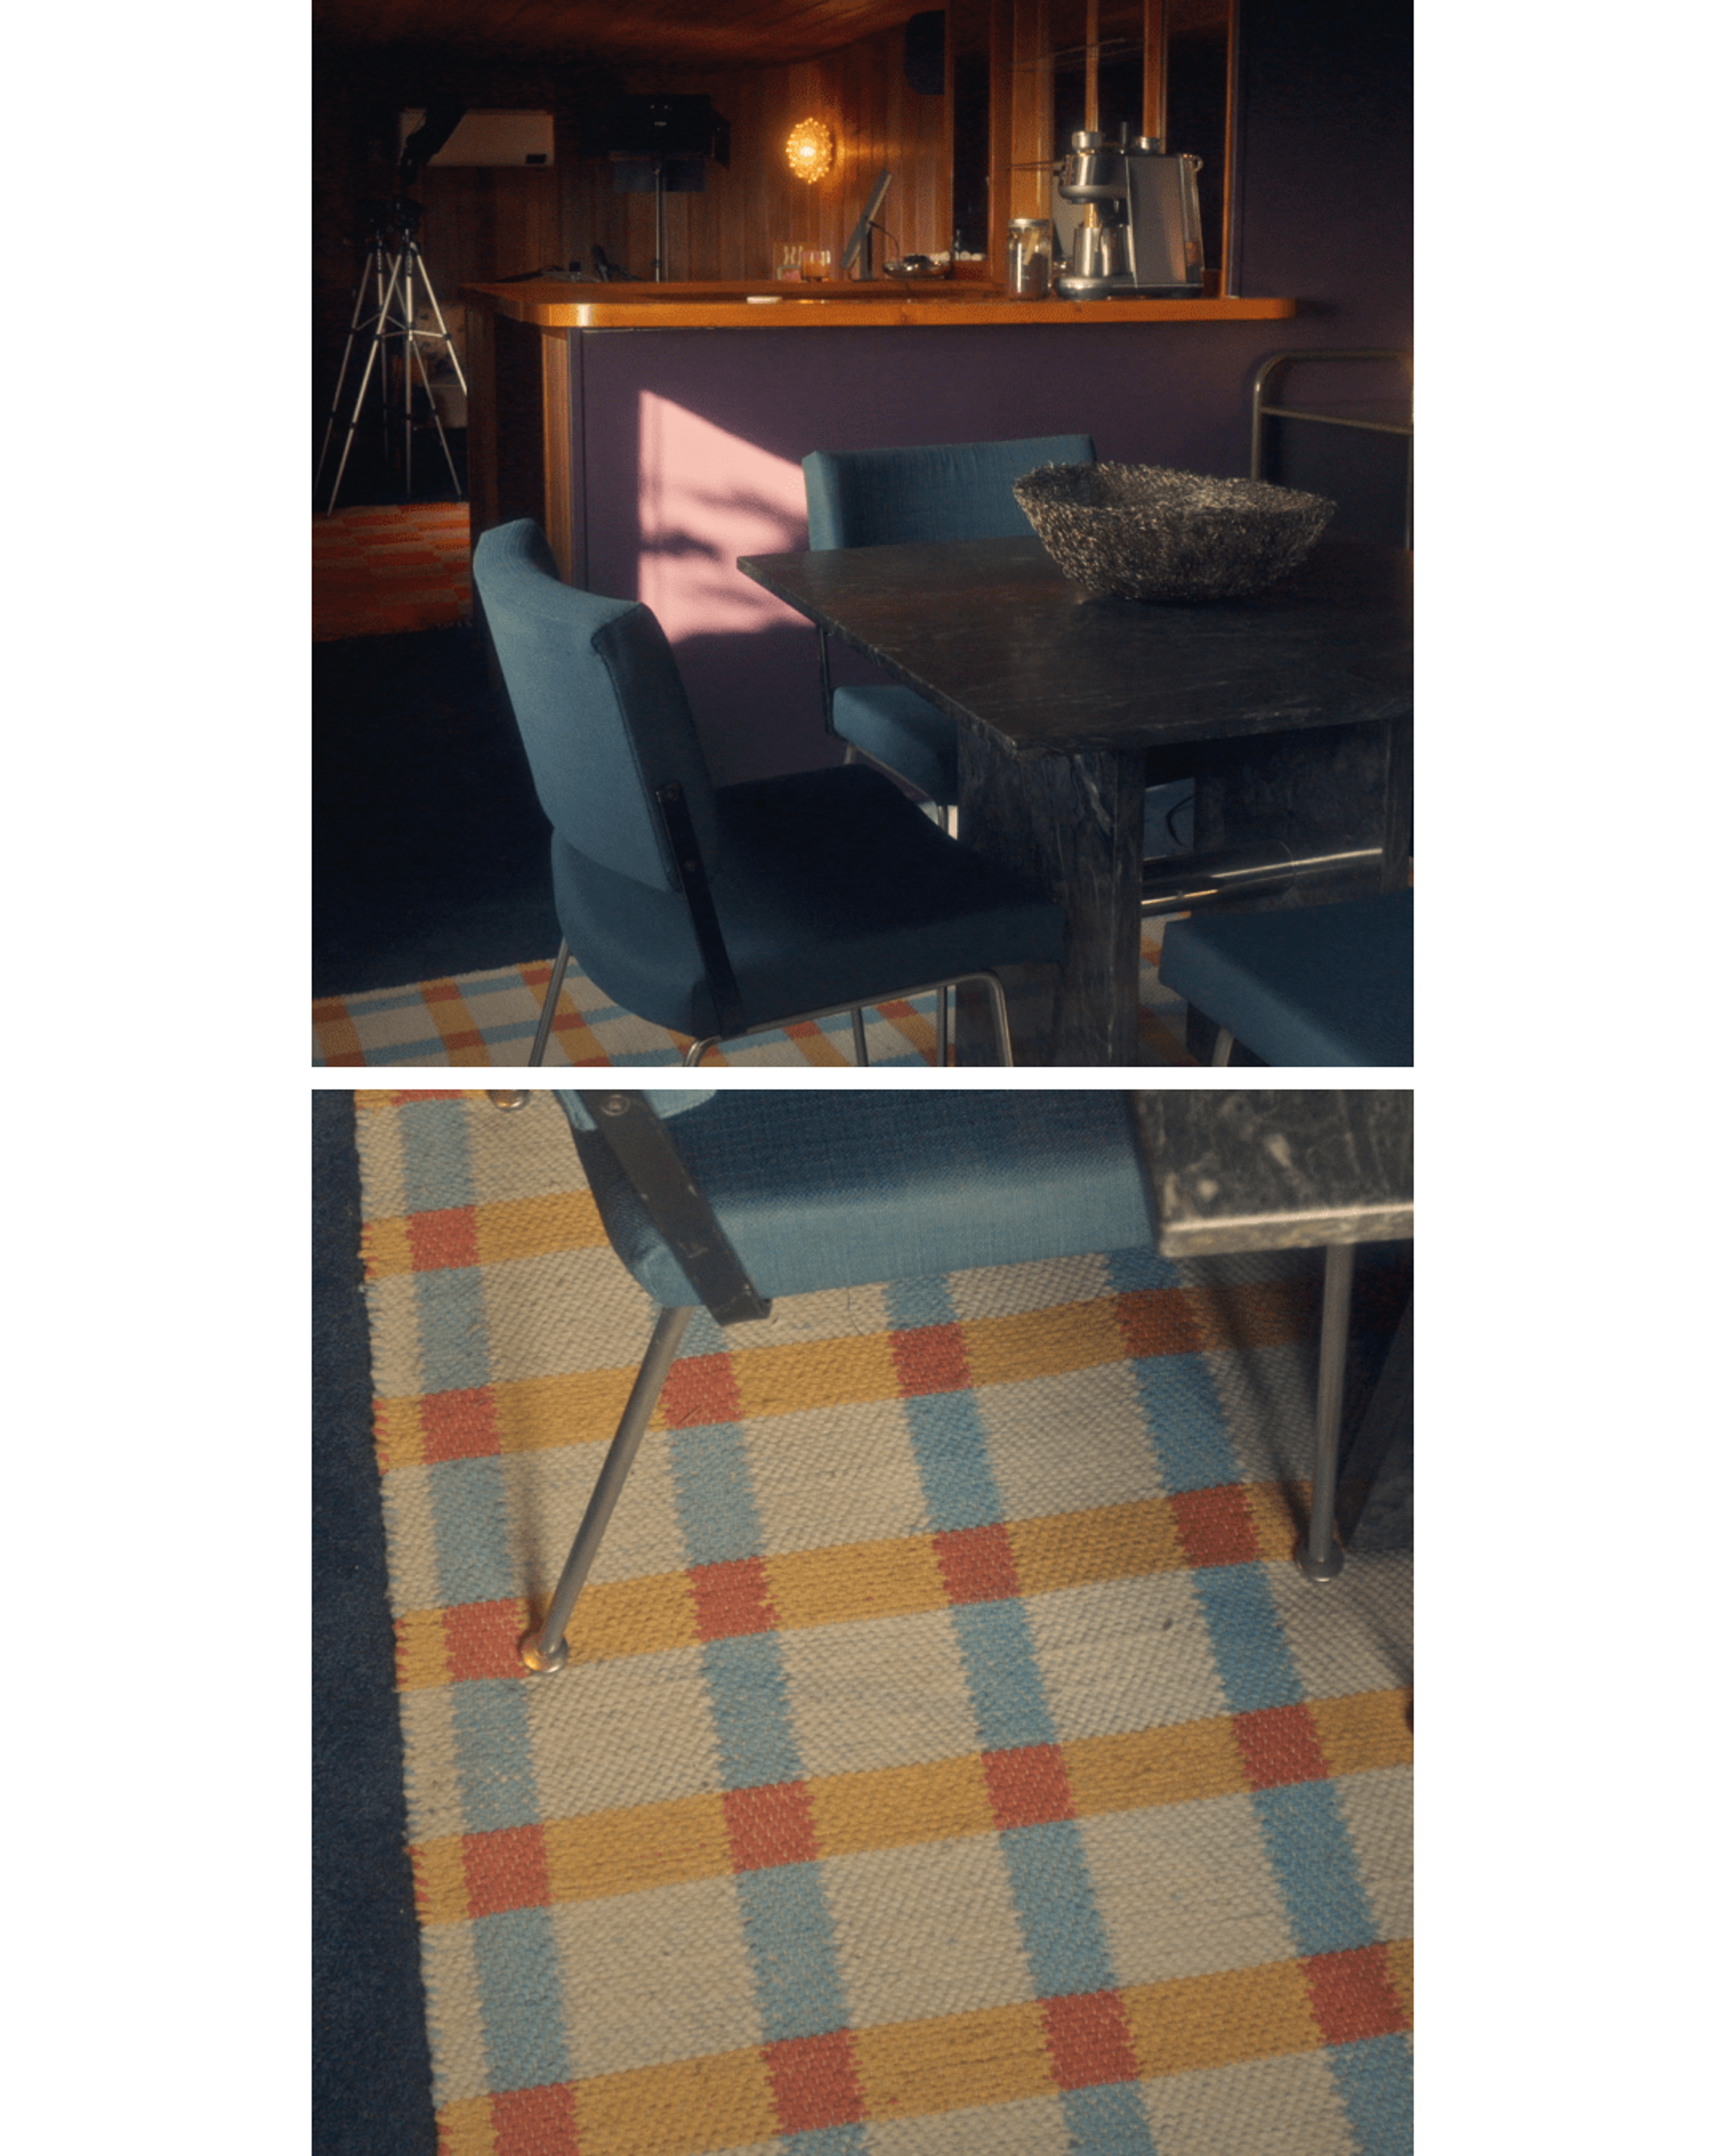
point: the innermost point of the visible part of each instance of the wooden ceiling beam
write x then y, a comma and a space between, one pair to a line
665, 31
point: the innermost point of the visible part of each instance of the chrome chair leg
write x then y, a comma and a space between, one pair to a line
859, 1038
942, 1027
1222, 1055
696, 1049
1321, 1558
545, 1652
553, 989
996, 1004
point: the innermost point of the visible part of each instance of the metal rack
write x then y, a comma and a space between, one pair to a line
1372, 419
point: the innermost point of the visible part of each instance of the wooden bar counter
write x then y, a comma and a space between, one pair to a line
656, 432
918, 303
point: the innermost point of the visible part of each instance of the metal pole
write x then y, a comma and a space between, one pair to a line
374, 263
1321, 1558
409, 259
379, 332
548, 1651
548, 1009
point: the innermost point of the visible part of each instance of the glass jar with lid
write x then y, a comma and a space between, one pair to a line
1030, 251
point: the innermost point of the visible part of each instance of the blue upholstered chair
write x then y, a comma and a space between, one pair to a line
747, 1194
944, 490
1318, 984
893, 497
723, 910
952, 490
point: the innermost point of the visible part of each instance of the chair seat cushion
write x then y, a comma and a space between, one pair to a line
1317, 984
836, 890
825, 1189
904, 732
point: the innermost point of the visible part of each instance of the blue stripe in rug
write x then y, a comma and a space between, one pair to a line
1376, 2079
514, 1957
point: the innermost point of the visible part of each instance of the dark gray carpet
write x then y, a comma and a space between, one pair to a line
371, 2062
430, 851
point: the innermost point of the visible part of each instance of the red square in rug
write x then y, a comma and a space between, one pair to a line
977, 1564
483, 1637
770, 1825
814, 2082
505, 1870
931, 1360
731, 1597
1216, 1526
1280, 1744
439, 1240
1351, 1994
1157, 1320
1029, 1787
1088, 2040
469, 1037
536, 2121
701, 1389
459, 1425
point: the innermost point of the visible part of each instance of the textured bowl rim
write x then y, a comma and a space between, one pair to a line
1285, 500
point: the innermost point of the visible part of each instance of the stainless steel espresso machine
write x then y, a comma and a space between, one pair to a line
1127, 221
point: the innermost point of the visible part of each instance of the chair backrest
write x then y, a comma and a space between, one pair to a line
948, 490
600, 705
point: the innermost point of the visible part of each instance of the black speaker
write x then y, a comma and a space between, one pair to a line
925, 52
658, 127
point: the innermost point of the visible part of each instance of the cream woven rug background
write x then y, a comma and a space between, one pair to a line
951, 1758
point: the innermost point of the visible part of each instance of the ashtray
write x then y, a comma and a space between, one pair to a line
1140, 532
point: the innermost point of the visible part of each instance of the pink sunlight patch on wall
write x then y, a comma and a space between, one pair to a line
708, 496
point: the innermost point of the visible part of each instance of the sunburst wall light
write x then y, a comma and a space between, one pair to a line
810, 151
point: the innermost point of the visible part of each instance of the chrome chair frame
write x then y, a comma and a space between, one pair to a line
629, 1124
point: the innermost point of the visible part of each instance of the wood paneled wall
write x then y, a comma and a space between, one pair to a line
482, 224
735, 228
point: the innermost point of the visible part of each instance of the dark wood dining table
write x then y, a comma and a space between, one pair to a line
1291, 710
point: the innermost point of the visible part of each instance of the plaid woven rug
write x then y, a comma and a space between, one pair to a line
488, 1020
385, 571
950, 1758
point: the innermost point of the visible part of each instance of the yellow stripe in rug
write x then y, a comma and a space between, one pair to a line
597, 1855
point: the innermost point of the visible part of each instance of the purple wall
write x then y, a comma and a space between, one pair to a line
692, 440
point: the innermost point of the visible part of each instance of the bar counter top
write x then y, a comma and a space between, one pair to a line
553, 303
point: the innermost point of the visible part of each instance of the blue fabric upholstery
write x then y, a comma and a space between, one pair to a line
600, 704
1318, 984
946, 491
836, 890
882, 497
667, 1101
823, 1190
903, 731
1170, 813
953, 490
831, 888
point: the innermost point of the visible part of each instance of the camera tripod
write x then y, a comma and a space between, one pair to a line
384, 306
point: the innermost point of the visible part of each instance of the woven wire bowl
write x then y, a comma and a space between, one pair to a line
1137, 531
